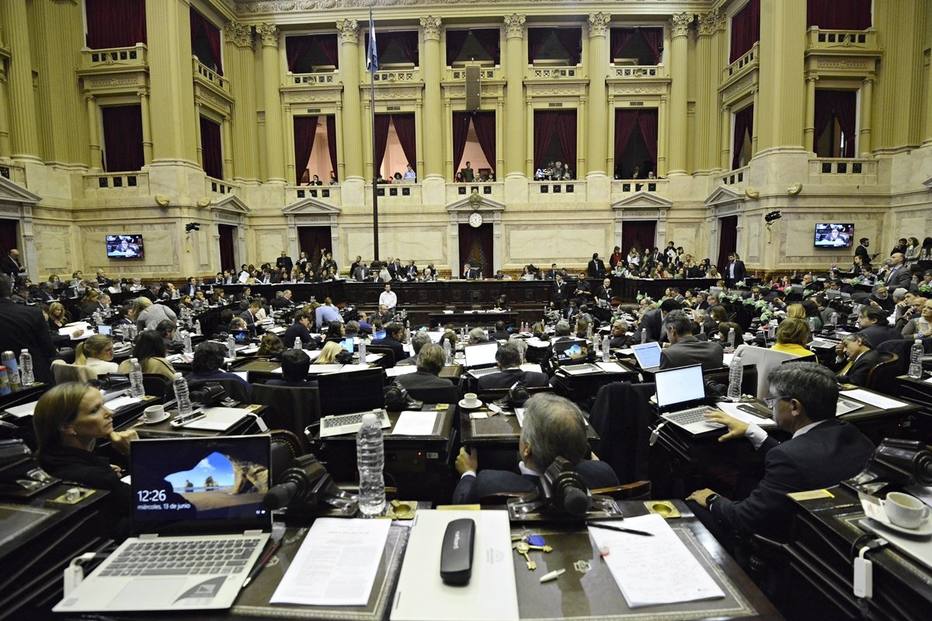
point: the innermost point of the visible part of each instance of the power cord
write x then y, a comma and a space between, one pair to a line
74, 573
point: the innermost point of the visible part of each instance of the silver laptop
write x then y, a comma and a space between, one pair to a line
480, 355
200, 525
647, 355
681, 399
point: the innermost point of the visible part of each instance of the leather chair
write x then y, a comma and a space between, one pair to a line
901, 348
387, 361
881, 376
156, 385
63, 372
445, 394
234, 389
292, 408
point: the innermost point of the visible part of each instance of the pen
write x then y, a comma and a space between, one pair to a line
620, 529
263, 561
553, 575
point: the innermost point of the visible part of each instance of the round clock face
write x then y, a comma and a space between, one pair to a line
475, 219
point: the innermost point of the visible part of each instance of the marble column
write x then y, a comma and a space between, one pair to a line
145, 115
867, 96
928, 113
678, 93
779, 118
352, 108
227, 147
240, 64
271, 82
514, 96
93, 129
706, 94
598, 110
24, 133
432, 119
4, 113
809, 127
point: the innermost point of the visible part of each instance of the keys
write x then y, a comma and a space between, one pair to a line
522, 548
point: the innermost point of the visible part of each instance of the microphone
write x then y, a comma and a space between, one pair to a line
305, 485
564, 488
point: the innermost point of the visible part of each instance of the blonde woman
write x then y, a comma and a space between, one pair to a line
149, 350
328, 355
96, 353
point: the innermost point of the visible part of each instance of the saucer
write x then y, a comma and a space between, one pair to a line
156, 421
923, 530
462, 404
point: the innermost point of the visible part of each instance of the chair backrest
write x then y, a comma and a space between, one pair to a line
446, 394
234, 389
748, 378
765, 360
292, 408
387, 360
495, 394
155, 385
63, 372
881, 376
901, 348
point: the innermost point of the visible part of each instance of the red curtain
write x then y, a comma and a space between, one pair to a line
638, 234
382, 122
744, 125
568, 38
566, 133
745, 29
407, 136
460, 131
305, 128
571, 40
397, 46
484, 124
838, 14
620, 37
647, 123
227, 236
831, 104
122, 127
652, 37
211, 149
488, 39
296, 50
625, 122
115, 23
727, 240
545, 123
205, 39
328, 46
332, 142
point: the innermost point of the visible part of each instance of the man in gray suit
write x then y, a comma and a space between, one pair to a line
685, 349
899, 275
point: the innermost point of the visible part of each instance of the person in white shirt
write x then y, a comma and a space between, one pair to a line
388, 298
410, 175
96, 353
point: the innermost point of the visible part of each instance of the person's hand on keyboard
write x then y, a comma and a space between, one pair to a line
736, 428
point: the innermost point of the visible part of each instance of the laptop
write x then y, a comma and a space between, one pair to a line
199, 525
681, 399
346, 397
348, 344
571, 350
647, 355
480, 355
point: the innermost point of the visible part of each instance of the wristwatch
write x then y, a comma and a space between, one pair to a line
708, 501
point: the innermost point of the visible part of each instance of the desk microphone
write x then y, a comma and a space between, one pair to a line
306, 483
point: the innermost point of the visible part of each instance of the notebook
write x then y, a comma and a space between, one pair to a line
647, 355
681, 399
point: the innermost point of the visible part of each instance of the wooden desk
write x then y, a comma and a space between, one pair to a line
479, 319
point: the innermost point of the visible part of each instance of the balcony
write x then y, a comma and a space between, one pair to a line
635, 72
131, 183
557, 191
206, 75
485, 73
494, 190
395, 194
219, 186
319, 78
843, 171
14, 173
327, 193
396, 76
735, 179
742, 65
622, 188
120, 58
843, 41
569, 72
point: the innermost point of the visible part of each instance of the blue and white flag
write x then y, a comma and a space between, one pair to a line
372, 54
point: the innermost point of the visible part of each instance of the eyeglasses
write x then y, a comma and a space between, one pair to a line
772, 401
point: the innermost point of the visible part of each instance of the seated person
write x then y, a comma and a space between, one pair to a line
686, 349
792, 337
430, 361
295, 364
418, 340
270, 346
300, 329
329, 353
859, 358
553, 427
206, 367
149, 350
874, 326
821, 452
68, 421
394, 335
508, 359
168, 330
476, 336
500, 334
619, 335
96, 353
335, 332
921, 325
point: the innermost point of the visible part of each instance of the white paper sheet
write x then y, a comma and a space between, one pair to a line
412, 423
21, 411
732, 410
325, 368
243, 374
404, 369
218, 419
611, 367
336, 564
872, 398
119, 402
532, 367
654, 570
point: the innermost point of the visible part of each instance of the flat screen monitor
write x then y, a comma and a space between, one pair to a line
482, 354
679, 385
348, 393
125, 246
834, 235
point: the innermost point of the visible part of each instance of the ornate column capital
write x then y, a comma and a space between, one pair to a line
349, 30
268, 34
681, 22
142, 92
711, 22
431, 25
238, 34
514, 26
598, 24
89, 98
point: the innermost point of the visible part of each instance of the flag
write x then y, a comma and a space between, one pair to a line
372, 54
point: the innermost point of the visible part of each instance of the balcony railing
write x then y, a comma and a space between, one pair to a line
736, 177
132, 182
219, 186
14, 172
395, 194
321, 78
485, 73
493, 190
624, 187
843, 171
206, 74
390, 76
638, 71
746, 61
554, 73
134, 56
557, 191
841, 39
327, 193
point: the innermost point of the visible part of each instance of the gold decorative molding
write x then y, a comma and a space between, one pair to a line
514, 26
598, 24
431, 25
711, 22
238, 34
681, 22
349, 30
268, 33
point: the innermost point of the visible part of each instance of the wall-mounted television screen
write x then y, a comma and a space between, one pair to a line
124, 246
834, 235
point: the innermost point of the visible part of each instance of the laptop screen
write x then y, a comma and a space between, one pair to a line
348, 343
679, 385
570, 350
479, 355
240, 336
347, 393
647, 354
187, 485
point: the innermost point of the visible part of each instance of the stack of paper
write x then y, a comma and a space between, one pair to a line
413, 423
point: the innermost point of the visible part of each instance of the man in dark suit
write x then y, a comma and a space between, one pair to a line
822, 452
860, 359
250, 314
596, 268
619, 335
508, 359
282, 300
299, 329
430, 361
553, 427
418, 340
24, 327
394, 334
11, 266
735, 271
861, 251
898, 274
189, 288
874, 326
685, 349
295, 365
284, 261
653, 320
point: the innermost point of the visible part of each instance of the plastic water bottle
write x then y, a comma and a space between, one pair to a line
25, 368
187, 343
182, 396
136, 389
297, 343
772, 330
447, 352
735, 375
370, 459
812, 325
231, 347
95, 317
362, 350
606, 349
597, 343
643, 335
197, 327
915, 358
834, 319
730, 345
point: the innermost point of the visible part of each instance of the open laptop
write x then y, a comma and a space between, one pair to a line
647, 355
480, 355
346, 397
681, 399
199, 523
348, 344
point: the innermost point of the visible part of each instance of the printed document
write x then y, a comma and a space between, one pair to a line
411, 423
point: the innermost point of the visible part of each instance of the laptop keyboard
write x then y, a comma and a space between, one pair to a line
183, 557
342, 419
340, 424
690, 416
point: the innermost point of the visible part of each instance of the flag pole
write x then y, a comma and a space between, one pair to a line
375, 164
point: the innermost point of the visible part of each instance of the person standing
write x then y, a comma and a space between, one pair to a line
284, 261
11, 265
25, 328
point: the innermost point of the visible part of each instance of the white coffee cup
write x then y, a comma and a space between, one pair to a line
905, 510
471, 400
153, 412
